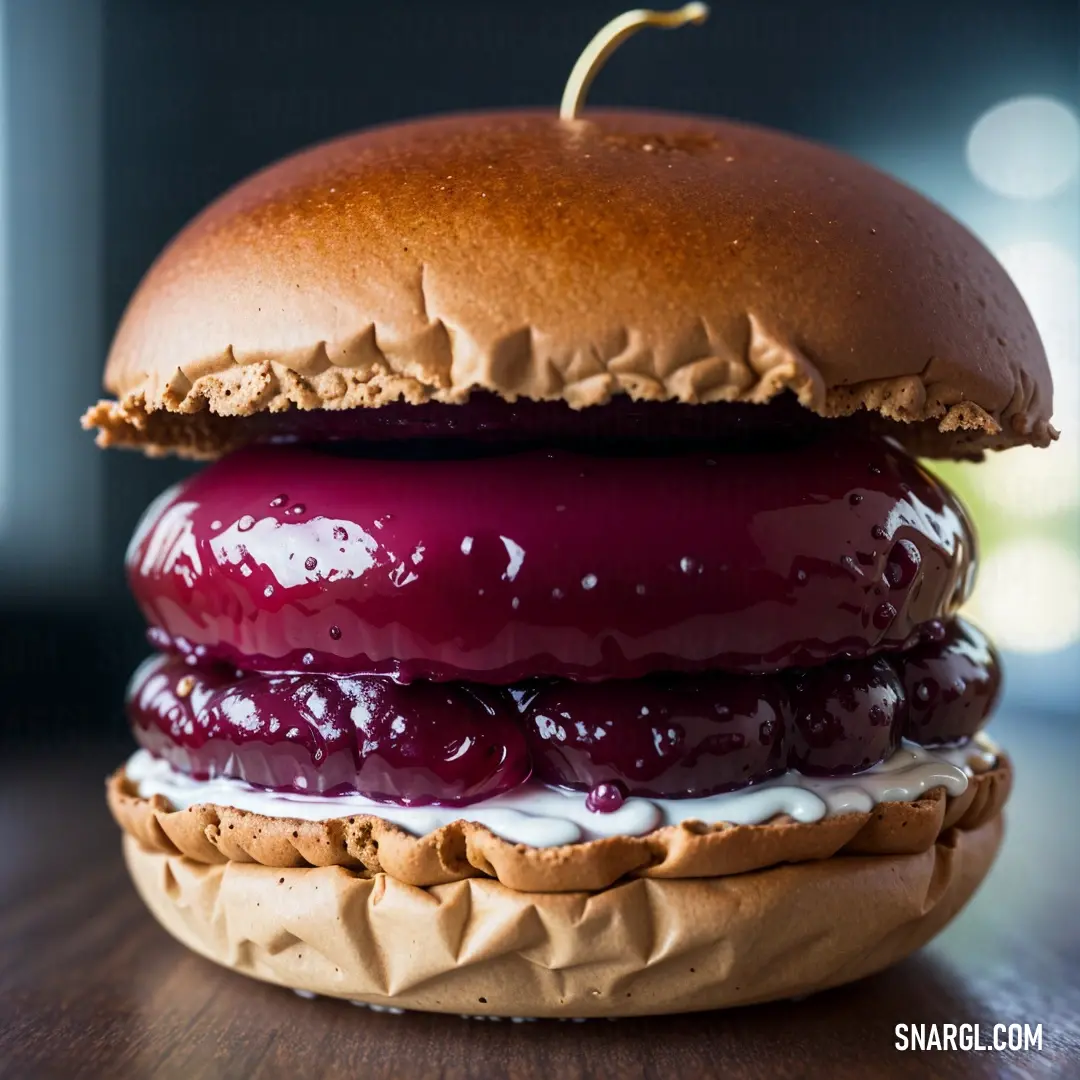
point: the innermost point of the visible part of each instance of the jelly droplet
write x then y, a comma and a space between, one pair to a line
310, 562
605, 798
884, 615
855, 498
589, 581
852, 567
340, 534
902, 565
279, 500
335, 632
877, 532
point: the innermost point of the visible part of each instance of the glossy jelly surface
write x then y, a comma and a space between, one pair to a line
846, 717
414, 745
952, 681
668, 736
689, 735
556, 564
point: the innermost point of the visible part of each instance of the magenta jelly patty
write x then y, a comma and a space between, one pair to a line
669, 736
551, 564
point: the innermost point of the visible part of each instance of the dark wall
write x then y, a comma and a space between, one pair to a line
197, 94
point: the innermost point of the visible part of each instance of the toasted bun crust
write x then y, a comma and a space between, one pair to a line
369, 846
665, 257
640, 947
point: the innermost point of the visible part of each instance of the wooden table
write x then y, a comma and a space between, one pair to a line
91, 987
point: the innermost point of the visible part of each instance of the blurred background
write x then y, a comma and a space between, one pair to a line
120, 119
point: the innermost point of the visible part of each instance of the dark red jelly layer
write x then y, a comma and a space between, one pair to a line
671, 736
497, 569
488, 420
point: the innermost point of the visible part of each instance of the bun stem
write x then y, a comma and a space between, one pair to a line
609, 38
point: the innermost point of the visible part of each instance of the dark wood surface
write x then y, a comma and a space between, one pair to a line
91, 987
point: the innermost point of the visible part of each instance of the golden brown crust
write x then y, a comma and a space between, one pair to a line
641, 947
369, 845
660, 256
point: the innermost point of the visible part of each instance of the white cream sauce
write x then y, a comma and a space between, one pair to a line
542, 816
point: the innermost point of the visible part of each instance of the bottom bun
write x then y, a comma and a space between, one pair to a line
645, 946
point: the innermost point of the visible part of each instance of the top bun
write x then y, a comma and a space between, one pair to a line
660, 256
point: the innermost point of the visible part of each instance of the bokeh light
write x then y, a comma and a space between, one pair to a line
1048, 278
1038, 483
1031, 481
1028, 596
1025, 148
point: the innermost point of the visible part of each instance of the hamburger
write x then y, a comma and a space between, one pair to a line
566, 625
